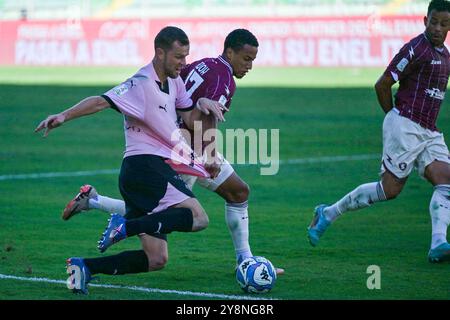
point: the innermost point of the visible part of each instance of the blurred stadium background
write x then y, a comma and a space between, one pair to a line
108, 9
292, 32
313, 79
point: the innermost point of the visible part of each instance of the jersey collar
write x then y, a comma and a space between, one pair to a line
225, 62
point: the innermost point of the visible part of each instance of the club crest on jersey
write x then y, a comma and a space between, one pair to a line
402, 64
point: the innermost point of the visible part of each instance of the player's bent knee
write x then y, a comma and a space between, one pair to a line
239, 194
200, 222
157, 262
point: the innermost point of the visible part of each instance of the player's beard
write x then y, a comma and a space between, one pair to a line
171, 72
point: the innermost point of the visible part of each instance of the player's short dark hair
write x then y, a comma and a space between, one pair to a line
238, 38
168, 35
438, 5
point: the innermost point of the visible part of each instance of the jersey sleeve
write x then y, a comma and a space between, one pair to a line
217, 88
403, 63
129, 98
183, 101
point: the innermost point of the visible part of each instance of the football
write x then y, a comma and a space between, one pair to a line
256, 275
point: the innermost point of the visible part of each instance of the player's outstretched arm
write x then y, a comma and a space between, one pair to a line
85, 107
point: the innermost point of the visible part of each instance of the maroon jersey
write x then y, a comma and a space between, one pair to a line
423, 72
210, 78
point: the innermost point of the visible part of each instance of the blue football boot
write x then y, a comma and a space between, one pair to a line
114, 232
79, 277
440, 253
318, 225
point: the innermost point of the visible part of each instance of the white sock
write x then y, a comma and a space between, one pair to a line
440, 214
236, 216
107, 204
361, 197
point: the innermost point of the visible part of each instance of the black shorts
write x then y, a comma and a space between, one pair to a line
148, 184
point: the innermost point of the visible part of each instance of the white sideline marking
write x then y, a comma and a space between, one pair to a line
141, 289
27, 176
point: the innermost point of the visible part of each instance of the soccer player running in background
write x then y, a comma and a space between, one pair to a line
148, 184
410, 137
211, 78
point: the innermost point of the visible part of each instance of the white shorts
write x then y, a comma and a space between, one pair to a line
226, 170
407, 145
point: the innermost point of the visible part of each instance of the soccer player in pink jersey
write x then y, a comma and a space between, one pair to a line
156, 198
410, 137
211, 78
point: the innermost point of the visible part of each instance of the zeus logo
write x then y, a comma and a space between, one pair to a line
411, 53
389, 159
164, 108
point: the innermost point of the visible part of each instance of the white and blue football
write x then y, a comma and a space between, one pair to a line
256, 275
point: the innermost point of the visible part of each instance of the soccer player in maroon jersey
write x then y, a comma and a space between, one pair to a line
211, 78
410, 137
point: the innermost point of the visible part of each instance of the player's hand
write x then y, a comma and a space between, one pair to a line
208, 106
213, 169
50, 123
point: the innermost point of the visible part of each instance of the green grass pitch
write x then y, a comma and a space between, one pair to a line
321, 113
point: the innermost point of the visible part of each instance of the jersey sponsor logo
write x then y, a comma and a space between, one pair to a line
433, 62
435, 93
402, 64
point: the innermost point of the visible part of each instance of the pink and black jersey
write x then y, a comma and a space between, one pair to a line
210, 78
423, 72
150, 124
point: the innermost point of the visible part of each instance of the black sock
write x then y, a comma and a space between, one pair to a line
125, 262
172, 219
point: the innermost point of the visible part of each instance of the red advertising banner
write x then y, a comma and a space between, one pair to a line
316, 41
